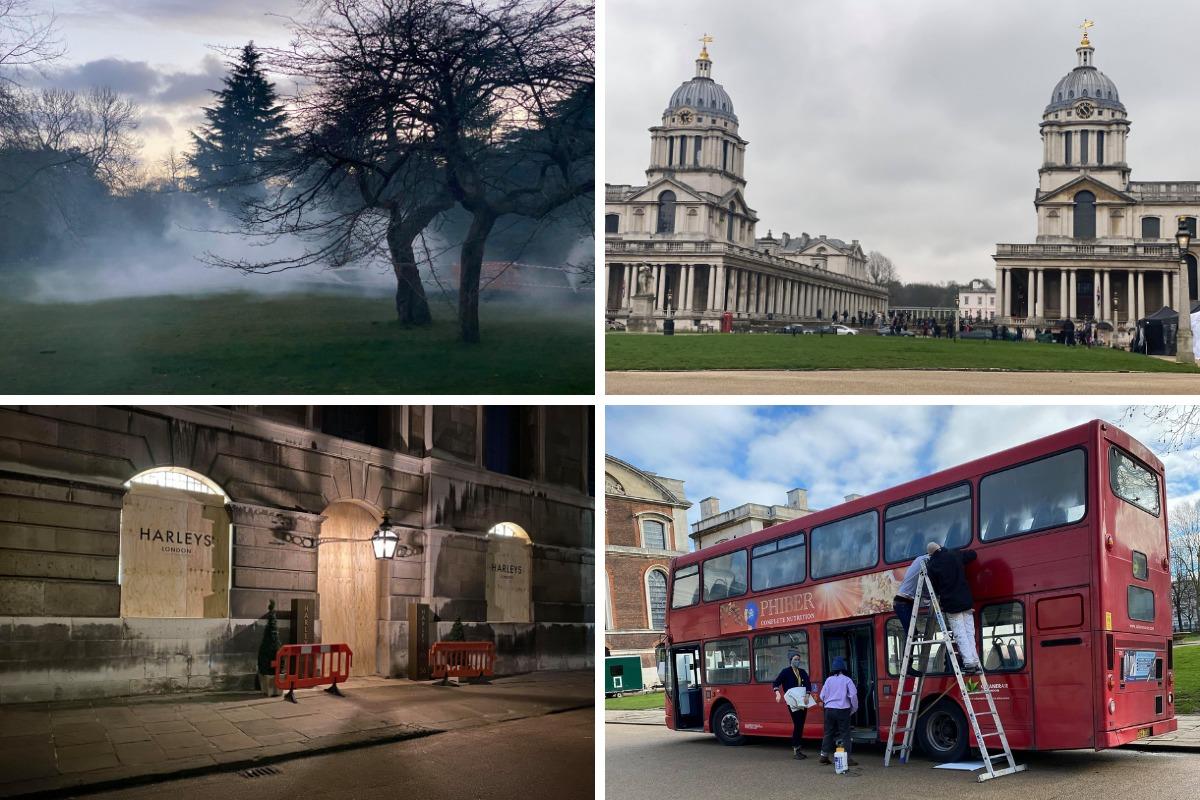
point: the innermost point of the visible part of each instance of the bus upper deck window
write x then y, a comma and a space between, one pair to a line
1132, 482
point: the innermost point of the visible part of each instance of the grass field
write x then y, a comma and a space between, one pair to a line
634, 702
625, 351
1187, 679
288, 344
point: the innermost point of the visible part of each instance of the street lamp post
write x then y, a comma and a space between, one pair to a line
1183, 303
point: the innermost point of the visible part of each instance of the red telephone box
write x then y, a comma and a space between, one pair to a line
727, 322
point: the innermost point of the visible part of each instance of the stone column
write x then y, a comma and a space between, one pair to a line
685, 281
1062, 293
1129, 290
1072, 294
1007, 299
1106, 301
1141, 295
1041, 294
1029, 309
1166, 281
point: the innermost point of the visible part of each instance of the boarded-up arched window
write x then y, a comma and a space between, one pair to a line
509, 577
656, 597
1085, 215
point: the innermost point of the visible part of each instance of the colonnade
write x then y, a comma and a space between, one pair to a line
1122, 295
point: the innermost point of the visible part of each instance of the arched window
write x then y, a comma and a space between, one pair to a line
729, 223
1085, 215
1151, 227
175, 545
656, 598
666, 212
612, 223
654, 533
1191, 268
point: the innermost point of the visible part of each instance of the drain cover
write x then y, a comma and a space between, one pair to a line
258, 772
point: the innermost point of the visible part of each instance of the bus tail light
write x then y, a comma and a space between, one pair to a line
1112, 707
1108, 541
1111, 655
1165, 563
1111, 682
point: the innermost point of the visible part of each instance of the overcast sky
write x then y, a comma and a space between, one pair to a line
158, 53
748, 454
911, 126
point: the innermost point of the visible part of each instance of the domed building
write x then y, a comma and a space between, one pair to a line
688, 235
1105, 247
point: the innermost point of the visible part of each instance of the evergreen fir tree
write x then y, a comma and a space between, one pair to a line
270, 643
245, 129
457, 632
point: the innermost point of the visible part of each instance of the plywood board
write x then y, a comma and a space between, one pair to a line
174, 554
347, 582
509, 562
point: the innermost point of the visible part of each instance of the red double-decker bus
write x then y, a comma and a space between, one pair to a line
1071, 589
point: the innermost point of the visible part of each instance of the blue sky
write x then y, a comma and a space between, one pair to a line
743, 454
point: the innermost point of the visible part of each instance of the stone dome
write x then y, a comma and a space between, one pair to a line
1085, 82
704, 95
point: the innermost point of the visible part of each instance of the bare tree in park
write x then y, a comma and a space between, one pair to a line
28, 38
1177, 426
1185, 562
880, 269
415, 106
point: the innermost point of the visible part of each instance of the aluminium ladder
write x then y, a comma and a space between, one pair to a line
911, 713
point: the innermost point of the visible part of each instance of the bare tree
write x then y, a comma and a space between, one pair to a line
1185, 562
1177, 426
28, 38
880, 269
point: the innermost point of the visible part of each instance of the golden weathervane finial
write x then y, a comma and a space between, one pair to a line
1087, 23
705, 41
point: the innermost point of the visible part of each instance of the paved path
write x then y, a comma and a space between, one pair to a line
644, 762
649, 716
551, 757
898, 381
56, 746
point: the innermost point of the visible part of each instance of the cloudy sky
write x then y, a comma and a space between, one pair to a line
911, 126
159, 53
747, 454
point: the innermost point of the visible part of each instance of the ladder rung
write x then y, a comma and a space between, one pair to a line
993, 733
998, 755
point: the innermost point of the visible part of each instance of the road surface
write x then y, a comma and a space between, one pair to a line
650, 762
897, 381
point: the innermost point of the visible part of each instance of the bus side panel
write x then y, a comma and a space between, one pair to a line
1063, 664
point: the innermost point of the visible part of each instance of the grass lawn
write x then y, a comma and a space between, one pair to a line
634, 702
288, 344
625, 351
1187, 680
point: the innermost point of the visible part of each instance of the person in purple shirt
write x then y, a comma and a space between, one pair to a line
839, 698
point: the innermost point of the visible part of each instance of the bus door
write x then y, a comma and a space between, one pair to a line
1062, 666
856, 644
685, 682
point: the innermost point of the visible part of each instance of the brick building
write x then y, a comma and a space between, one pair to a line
139, 546
645, 526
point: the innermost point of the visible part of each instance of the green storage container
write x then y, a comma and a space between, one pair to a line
622, 674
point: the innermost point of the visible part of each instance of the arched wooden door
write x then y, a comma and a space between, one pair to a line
348, 585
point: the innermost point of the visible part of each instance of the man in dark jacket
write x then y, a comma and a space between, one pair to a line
790, 677
949, 578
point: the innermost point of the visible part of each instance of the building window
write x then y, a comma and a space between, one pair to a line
683, 151
729, 223
656, 598
1067, 147
1042, 494
696, 142
1151, 227
725, 156
666, 212
1189, 224
1085, 215
670, 151
510, 440
1100, 147
1083, 147
612, 223
654, 534
365, 424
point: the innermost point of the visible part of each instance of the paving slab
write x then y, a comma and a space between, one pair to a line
115, 742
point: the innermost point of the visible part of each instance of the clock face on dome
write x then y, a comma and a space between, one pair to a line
685, 116
1084, 110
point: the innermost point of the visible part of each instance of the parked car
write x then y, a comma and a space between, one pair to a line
843, 330
889, 332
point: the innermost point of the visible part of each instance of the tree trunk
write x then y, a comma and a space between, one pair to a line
471, 263
412, 307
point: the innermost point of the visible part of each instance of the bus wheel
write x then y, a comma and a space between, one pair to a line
942, 732
726, 726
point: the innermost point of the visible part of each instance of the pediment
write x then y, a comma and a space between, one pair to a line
683, 192
735, 196
1104, 193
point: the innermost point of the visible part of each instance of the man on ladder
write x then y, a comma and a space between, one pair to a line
950, 587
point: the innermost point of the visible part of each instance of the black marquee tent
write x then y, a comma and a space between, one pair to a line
1157, 332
